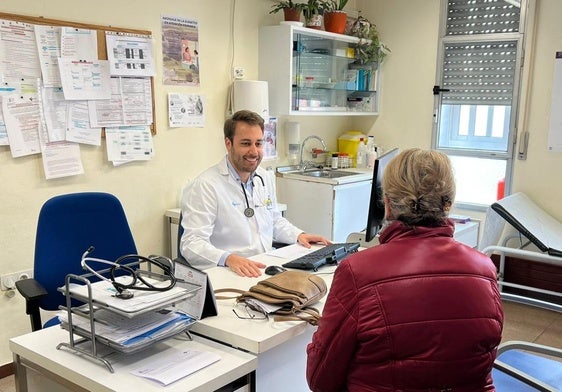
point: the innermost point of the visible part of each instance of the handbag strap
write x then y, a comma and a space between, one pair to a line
228, 290
312, 314
312, 317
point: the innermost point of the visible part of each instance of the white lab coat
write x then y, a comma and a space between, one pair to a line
214, 222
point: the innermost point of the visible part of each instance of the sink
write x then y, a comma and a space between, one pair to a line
316, 172
327, 173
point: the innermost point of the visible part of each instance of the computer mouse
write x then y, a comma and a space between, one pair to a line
274, 270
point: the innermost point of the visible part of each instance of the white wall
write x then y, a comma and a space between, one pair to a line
145, 189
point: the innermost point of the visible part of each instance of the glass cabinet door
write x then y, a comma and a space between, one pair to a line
327, 79
314, 72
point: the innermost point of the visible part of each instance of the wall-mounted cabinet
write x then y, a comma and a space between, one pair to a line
314, 72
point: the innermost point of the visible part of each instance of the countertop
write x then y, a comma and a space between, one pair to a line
361, 175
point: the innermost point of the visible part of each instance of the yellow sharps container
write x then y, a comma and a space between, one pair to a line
349, 143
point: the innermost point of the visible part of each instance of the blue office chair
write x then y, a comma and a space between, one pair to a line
67, 226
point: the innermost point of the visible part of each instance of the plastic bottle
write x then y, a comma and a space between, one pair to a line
361, 158
371, 152
335, 161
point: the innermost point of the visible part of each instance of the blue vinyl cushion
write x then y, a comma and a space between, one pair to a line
544, 369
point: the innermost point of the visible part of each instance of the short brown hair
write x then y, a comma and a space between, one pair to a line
247, 116
420, 187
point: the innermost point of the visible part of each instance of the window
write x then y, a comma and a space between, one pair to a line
479, 68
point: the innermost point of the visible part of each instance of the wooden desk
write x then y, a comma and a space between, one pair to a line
39, 366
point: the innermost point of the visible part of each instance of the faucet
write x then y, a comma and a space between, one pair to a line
302, 164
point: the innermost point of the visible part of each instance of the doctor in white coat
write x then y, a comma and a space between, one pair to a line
229, 212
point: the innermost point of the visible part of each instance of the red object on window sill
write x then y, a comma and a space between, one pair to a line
501, 189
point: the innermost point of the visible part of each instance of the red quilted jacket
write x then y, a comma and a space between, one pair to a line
420, 312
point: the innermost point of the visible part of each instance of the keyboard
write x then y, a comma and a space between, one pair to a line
330, 254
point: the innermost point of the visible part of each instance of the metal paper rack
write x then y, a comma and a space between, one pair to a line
123, 325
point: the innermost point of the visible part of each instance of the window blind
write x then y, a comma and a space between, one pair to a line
468, 17
479, 73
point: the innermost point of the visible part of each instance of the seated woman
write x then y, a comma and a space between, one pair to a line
420, 311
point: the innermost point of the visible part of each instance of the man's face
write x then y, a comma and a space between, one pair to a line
245, 151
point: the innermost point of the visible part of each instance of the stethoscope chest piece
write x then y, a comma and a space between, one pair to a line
249, 211
125, 294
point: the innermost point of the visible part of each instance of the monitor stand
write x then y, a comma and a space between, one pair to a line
360, 237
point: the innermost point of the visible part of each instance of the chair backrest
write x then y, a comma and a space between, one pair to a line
68, 225
180, 233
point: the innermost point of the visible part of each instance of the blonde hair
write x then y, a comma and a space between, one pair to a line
419, 186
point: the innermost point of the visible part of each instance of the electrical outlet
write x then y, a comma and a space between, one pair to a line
8, 281
238, 73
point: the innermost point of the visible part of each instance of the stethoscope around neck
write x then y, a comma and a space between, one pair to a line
249, 211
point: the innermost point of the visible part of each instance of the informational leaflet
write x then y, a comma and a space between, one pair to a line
555, 131
127, 144
78, 125
129, 54
130, 104
79, 44
48, 40
55, 110
85, 79
18, 51
187, 277
186, 110
22, 117
61, 159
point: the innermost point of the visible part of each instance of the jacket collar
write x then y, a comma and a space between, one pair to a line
399, 230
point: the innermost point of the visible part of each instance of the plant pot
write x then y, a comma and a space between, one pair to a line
335, 21
314, 21
292, 14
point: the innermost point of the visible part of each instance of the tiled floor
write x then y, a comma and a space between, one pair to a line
521, 323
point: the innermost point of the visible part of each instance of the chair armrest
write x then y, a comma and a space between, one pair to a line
521, 376
277, 245
529, 346
32, 291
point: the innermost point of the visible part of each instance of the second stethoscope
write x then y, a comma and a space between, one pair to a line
136, 279
249, 211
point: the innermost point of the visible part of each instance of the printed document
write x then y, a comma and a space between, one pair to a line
166, 367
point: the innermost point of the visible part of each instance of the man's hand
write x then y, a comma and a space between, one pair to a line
243, 266
307, 239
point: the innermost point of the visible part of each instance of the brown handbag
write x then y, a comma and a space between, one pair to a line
294, 291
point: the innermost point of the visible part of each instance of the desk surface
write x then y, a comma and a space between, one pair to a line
39, 348
256, 336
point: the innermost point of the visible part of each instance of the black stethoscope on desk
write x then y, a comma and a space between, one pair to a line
124, 263
249, 211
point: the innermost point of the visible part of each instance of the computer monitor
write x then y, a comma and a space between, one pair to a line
375, 218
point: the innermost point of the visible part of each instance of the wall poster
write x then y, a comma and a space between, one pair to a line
180, 51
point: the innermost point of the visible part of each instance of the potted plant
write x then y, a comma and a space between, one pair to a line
370, 49
312, 11
335, 18
291, 10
